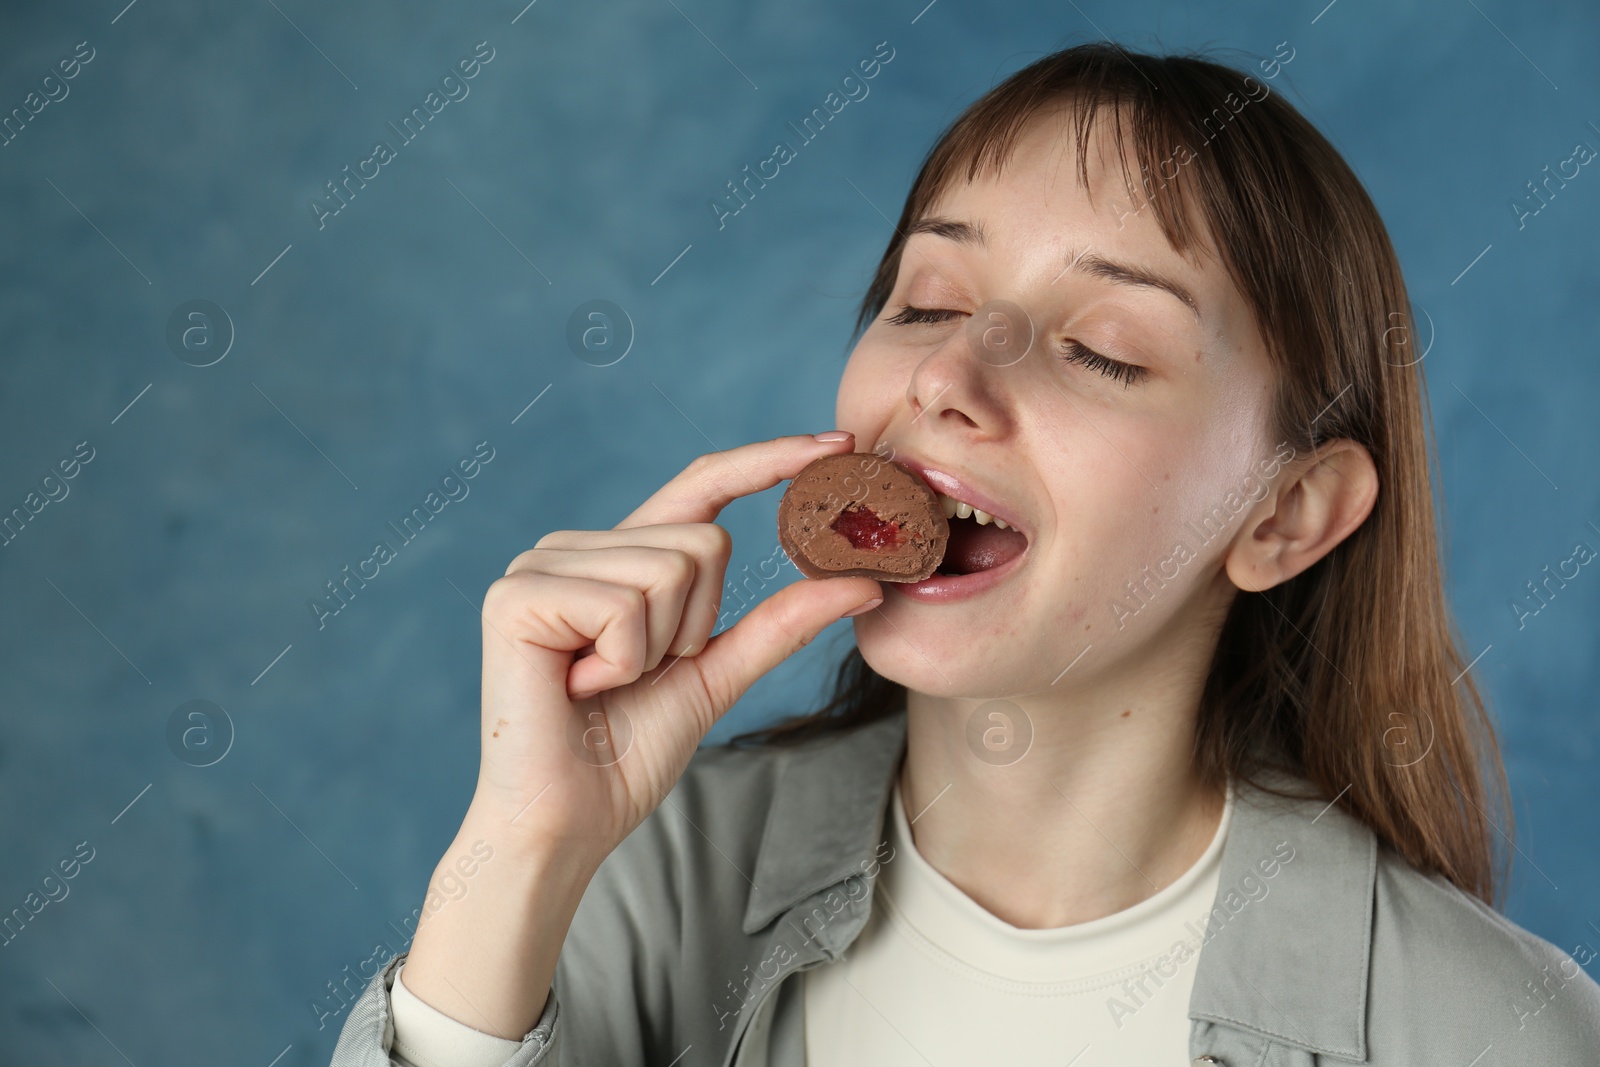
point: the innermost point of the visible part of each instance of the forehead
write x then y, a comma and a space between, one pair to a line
1036, 215
1037, 192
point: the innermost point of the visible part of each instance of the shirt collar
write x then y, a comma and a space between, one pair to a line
1285, 954
827, 814
1288, 955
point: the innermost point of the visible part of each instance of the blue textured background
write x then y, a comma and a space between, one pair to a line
416, 324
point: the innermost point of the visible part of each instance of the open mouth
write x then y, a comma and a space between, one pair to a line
978, 541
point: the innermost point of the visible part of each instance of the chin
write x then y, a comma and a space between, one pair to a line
966, 671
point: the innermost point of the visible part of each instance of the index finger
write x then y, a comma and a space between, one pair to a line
716, 479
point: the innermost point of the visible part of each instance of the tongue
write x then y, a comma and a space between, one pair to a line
978, 548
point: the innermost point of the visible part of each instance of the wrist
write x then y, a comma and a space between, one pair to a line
522, 849
533, 832
491, 928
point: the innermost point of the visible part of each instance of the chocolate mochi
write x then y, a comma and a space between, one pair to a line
858, 515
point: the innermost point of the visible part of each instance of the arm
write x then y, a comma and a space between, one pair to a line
579, 744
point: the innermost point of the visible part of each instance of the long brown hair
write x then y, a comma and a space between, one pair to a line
1349, 674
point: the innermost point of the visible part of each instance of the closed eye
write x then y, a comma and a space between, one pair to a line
909, 315
1071, 351
1115, 369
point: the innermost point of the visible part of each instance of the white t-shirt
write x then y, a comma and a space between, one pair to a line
934, 978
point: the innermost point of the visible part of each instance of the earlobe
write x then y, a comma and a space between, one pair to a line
1311, 510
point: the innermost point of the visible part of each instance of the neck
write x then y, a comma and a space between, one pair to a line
1102, 811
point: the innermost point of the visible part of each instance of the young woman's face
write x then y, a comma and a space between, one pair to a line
1127, 479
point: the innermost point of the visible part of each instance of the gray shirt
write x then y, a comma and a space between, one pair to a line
1323, 946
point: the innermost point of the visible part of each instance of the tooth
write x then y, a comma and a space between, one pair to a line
948, 505
982, 517
1002, 524
963, 510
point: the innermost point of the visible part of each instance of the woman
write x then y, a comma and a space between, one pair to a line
1181, 764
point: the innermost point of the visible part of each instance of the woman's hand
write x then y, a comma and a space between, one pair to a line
600, 676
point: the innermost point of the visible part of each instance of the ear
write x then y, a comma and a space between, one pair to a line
1317, 505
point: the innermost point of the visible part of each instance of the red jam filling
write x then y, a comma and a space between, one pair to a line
863, 529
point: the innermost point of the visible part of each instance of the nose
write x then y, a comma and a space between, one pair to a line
967, 382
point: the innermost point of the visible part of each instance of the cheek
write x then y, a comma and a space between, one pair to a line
846, 403
1128, 490
867, 393
1111, 529
1221, 464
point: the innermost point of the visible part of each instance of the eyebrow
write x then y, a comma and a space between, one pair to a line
1095, 266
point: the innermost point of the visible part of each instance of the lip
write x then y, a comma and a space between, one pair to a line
967, 493
945, 588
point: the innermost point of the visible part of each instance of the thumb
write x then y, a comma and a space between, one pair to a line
776, 629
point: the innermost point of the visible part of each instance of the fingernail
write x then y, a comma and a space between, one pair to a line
833, 435
868, 606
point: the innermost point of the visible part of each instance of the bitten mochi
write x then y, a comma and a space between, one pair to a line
858, 515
